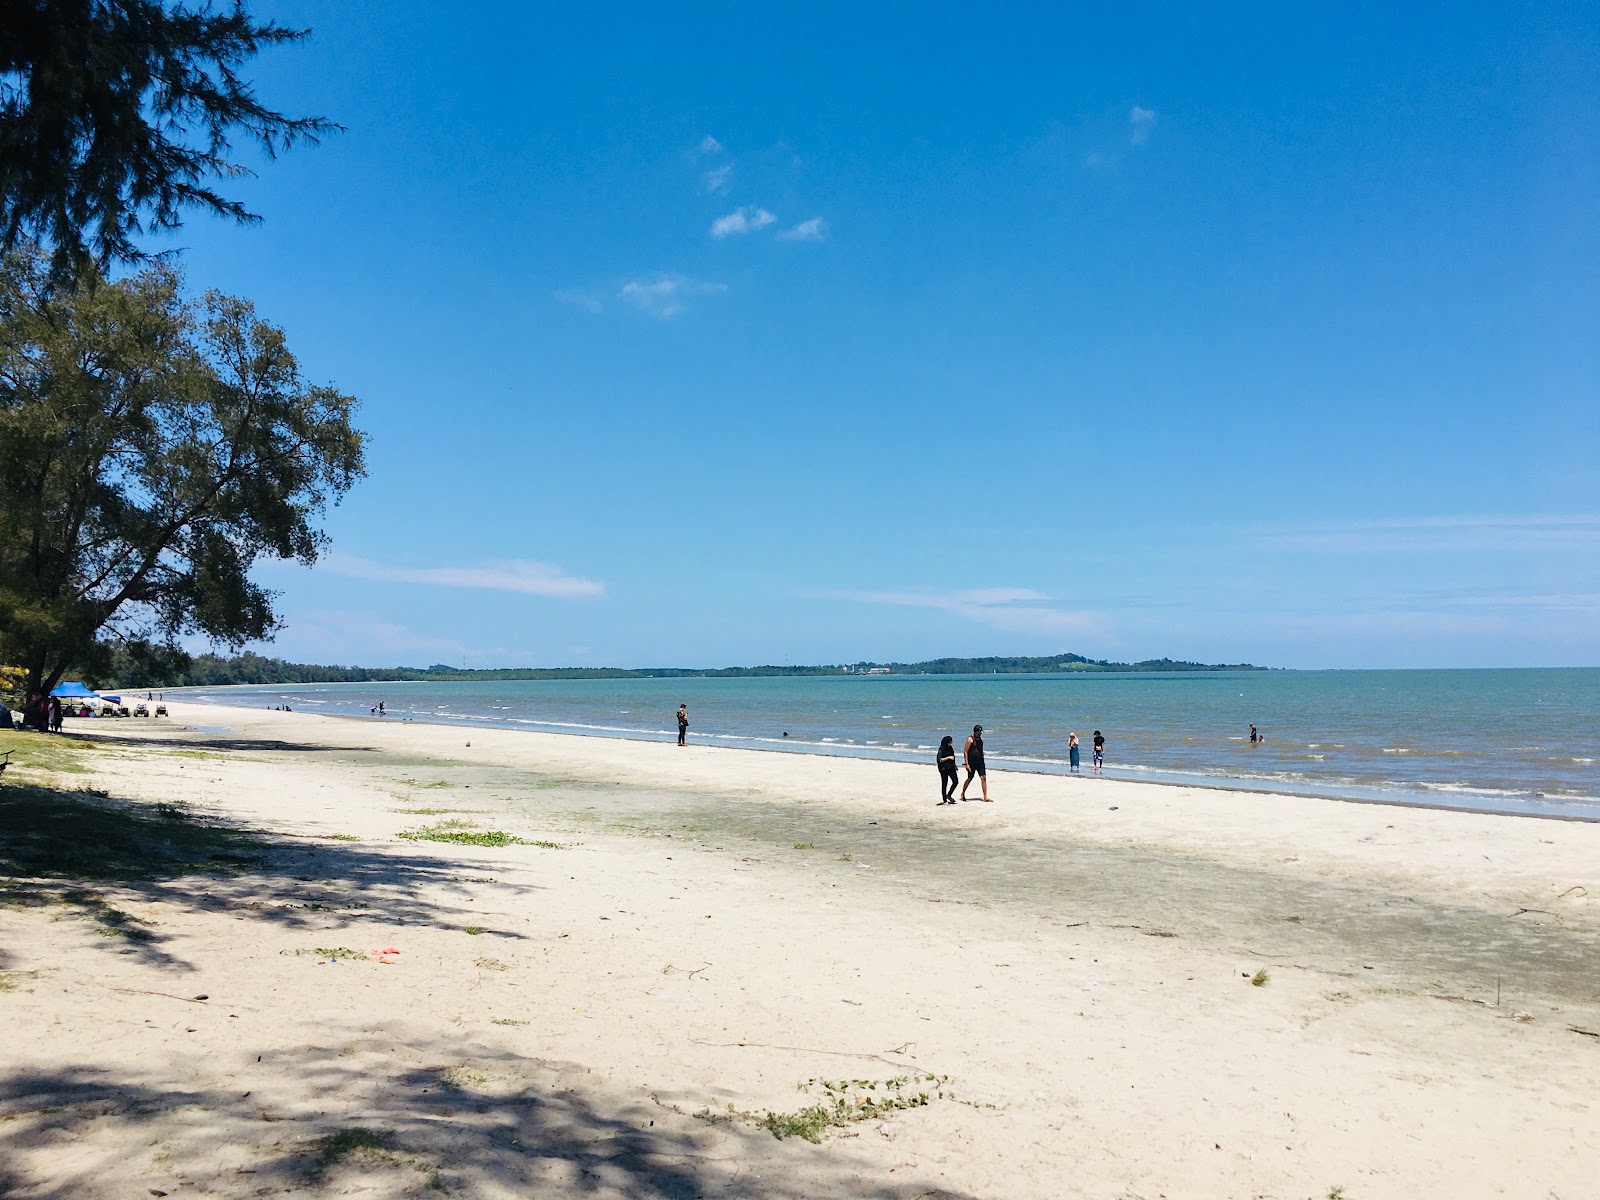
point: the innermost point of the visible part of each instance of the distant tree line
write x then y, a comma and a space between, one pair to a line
212, 670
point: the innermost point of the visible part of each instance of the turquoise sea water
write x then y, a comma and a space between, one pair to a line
1511, 740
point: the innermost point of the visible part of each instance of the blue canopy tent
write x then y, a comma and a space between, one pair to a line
73, 691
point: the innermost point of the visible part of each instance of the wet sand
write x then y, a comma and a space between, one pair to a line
712, 935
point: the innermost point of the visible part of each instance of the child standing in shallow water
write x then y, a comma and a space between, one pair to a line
1072, 751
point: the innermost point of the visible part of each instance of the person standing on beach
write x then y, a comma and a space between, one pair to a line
946, 758
1099, 752
683, 722
973, 753
1072, 751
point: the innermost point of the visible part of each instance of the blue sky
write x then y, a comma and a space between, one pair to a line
699, 335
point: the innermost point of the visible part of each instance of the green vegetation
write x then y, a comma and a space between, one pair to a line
50, 834
327, 952
450, 831
1260, 978
474, 930
363, 1143
209, 670
343, 837
805, 845
507, 1021
846, 1101
159, 446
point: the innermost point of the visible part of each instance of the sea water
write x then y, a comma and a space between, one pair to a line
1505, 740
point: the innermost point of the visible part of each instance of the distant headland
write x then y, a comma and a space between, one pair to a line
211, 670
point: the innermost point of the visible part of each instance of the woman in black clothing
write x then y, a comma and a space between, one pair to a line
973, 753
946, 759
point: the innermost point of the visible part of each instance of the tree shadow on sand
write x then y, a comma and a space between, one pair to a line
434, 1117
90, 854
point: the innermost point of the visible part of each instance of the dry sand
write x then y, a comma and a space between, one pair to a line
715, 932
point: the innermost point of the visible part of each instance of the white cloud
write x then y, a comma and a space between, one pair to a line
578, 298
741, 221
1014, 610
664, 295
814, 230
1140, 122
498, 575
710, 145
716, 179
1504, 534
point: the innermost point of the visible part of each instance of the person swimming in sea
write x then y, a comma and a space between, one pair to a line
973, 753
948, 775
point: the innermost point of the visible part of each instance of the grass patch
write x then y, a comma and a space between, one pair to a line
842, 1102
47, 754
342, 837
433, 812
463, 1077
507, 1021
1260, 978
202, 754
46, 833
451, 832
362, 1143
327, 952
805, 845
474, 930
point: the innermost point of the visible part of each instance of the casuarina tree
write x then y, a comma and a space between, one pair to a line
117, 115
152, 448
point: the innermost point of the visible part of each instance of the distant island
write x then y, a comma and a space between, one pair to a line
211, 670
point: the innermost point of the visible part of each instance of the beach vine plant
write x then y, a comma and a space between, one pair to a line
840, 1103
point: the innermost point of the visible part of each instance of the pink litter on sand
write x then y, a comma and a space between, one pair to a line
385, 955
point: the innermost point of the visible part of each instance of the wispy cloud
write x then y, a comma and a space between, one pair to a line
1506, 534
814, 230
665, 295
578, 298
497, 575
743, 220
716, 179
710, 145
1141, 122
1014, 610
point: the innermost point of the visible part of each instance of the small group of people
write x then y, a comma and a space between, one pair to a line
1075, 755
972, 757
41, 712
949, 773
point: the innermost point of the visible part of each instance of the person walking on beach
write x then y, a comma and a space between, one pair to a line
948, 776
1072, 751
973, 753
683, 722
1099, 752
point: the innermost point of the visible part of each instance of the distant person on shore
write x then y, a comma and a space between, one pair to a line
973, 753
1099, 752
683, 722
948, 775
381, 713
1072, 751
1254, 736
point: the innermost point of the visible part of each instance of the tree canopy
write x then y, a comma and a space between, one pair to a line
152, 448
116, 115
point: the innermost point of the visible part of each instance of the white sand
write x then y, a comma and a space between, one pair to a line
1071, 962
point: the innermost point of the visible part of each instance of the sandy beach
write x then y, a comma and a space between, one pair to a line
1088, 988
